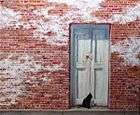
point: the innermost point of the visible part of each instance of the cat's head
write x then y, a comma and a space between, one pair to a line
90, 95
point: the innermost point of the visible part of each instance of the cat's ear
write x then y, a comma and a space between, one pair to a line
90, 95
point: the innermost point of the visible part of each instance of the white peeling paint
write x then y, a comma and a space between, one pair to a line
54, 25
9, 17
129, 14
129, 50
55, 67
80, 3
80, 11
46, 79
60, 24
12, 76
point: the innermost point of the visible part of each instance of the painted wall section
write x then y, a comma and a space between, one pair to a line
128, 14
34, 51
129, 49
58, 24
13, 70
9, 17
125, 66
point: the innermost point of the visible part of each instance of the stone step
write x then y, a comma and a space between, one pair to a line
69, 112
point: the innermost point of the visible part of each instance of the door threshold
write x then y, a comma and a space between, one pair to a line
96, 108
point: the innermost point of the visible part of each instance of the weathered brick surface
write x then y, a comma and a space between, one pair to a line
34, 51
125, 78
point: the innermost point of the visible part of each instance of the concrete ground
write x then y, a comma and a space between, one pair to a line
74, 111
69, 113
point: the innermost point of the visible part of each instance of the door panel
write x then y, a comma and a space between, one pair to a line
83, 73
100, 88
100, 71
90, 62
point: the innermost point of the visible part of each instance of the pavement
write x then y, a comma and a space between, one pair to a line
72, 111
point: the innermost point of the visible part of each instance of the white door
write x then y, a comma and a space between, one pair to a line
90, 62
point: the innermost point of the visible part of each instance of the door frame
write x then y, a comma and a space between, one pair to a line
71, 60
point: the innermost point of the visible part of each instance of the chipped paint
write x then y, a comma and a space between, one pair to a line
80, 11
9, 17
82, 5
54, 25
12, 76
92, 3
129, 14
60, 24
46, 79
55, 67
129, 49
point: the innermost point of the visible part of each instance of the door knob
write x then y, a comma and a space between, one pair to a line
87, 59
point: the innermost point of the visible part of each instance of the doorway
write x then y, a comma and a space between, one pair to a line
89, 62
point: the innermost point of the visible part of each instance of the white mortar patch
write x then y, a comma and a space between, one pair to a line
9, 17
54, 25
60, 24
79, 12
129, 49
12, 75
129, 14
79, 3
55, 67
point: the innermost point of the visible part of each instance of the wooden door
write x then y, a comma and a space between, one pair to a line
89, 62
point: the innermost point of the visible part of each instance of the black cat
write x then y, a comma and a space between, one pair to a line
86, 102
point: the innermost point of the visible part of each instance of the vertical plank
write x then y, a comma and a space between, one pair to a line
82, 39
101, 69
102, 75
83, 75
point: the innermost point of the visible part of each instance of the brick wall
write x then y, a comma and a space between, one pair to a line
34, 51
125, 68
